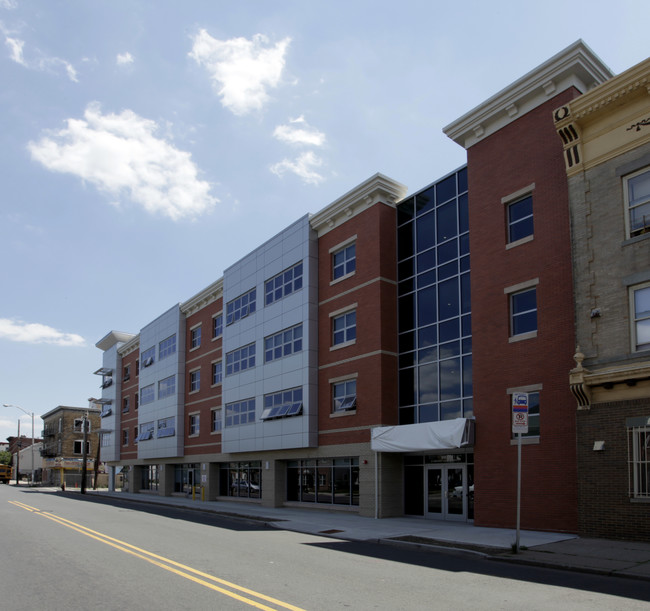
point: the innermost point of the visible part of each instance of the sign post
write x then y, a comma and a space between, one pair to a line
519, 426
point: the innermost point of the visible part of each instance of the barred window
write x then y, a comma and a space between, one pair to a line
638, 434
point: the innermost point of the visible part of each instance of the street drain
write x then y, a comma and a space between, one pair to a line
329, 532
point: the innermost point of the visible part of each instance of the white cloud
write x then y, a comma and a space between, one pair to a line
124, 59
8, 4
303, 166
16, 47
41, 63
241, 70
119, 154
300, 133
36, 333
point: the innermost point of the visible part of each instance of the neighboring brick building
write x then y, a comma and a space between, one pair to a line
62, 449
606, 137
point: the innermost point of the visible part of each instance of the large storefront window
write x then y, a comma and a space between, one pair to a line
150, 478
185, 477
326, 480
242, 479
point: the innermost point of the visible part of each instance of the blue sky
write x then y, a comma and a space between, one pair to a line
148, 145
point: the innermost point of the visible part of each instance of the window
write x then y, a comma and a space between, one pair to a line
282, 404
240, 412
344, 395
125, 437
195, 380
520, 219
78, 447
137, 367
147, 394
241, 359
148, 356
240, 307
125, 405
107, 410
283, 344
344, 328
167, 347
638, 432
146, 431
78, 425
195, 337
166, 427
533, 415
216, 420
136, 401
217, 372
289, 281
167, 387
127, 373
107, 380
637, 196
217, 326
640, 298
523, 312
194, 424
344, 261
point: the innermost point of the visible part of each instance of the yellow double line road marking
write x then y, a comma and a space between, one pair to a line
182, 570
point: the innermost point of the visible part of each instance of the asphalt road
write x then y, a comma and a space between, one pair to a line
68, 551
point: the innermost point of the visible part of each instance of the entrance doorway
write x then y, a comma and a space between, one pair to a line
447, 492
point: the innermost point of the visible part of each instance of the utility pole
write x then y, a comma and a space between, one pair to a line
84, 453
18, 445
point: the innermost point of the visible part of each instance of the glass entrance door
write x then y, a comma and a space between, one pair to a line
446, 492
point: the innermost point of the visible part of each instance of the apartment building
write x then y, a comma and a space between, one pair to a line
366, 357
606, 140
62, 448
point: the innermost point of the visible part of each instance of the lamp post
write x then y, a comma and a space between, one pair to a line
32, 415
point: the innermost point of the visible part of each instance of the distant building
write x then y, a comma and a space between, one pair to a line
63, 439
606, 139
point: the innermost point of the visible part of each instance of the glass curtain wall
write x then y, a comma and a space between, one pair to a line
435, 341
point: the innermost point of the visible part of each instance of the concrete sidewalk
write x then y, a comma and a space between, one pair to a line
556, 550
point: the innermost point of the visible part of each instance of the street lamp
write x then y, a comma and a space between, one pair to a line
32, 415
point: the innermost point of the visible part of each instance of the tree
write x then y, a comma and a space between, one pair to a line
5, 457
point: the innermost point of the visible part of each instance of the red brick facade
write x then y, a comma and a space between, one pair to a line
208, 397
373, 356
523, 153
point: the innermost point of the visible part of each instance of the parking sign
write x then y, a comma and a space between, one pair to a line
519, 412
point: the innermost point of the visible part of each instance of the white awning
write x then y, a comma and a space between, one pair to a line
445, 435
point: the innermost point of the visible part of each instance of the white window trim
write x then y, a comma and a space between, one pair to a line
189, 428
518, 288
345, 378
333, 315
201, 340
626, 202
223, 323
512, 199
633, 342
341, 246
190, 372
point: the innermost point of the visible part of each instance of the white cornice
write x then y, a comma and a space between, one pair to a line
205, 297
377, 189
112, 338
130, 346
576, 66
